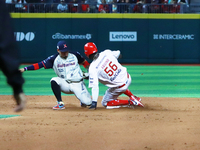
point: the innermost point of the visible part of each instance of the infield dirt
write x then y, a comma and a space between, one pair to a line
164, 124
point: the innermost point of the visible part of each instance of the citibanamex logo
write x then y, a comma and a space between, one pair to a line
72, 36
20, 36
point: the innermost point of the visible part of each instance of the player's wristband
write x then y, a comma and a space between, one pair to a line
25, 68
85, 64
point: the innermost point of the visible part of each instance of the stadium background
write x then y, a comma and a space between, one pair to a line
169, 88
148, 38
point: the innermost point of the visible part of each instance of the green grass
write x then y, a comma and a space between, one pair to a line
147, 81
7, 116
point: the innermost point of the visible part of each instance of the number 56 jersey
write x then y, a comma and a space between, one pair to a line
107, 70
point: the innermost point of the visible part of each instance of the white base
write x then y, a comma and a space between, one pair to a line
113, 107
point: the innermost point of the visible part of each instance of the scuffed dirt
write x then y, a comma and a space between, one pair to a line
164, 124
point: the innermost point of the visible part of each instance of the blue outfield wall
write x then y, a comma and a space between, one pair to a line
142, 38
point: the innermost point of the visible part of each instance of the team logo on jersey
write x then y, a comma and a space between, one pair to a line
115, 75
65, 65
91, 80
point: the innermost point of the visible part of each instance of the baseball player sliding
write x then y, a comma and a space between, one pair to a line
70, 76
106, 69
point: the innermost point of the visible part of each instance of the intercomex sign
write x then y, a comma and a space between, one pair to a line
122, 36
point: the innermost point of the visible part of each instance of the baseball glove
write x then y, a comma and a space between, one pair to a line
85, 75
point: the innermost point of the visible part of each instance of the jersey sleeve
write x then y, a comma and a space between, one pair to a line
95, 93
94, 83
93, 78
116, 54
80, 58
35, 66
47, 63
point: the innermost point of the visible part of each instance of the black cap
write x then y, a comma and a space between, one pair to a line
62, 46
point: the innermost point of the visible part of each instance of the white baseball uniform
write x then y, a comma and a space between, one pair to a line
107, 70
70, 76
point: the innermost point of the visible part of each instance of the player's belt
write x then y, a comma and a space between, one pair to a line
68, 81
125, 83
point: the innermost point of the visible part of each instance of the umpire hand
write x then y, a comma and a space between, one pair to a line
93, 106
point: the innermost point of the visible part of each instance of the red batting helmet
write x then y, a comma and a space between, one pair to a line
90, 48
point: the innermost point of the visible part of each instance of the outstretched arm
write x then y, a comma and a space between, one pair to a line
94, 84
35, 66
95, 94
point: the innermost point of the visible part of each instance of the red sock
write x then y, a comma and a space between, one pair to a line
128, 93
117, 102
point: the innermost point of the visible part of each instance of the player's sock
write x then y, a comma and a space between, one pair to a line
56, 90
128, 93
117, 102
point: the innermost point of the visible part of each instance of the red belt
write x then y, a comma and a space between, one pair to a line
125, 83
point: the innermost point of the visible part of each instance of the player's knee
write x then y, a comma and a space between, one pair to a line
54, 84
87, 102
54, 79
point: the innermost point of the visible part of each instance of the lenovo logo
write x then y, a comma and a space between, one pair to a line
122, 36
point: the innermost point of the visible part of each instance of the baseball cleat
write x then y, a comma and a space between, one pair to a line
21, 102
93, 106
84, 105
60, 105
136, 103
133, 97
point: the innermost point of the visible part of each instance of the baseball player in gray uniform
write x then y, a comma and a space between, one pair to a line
69, 78
106, 69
